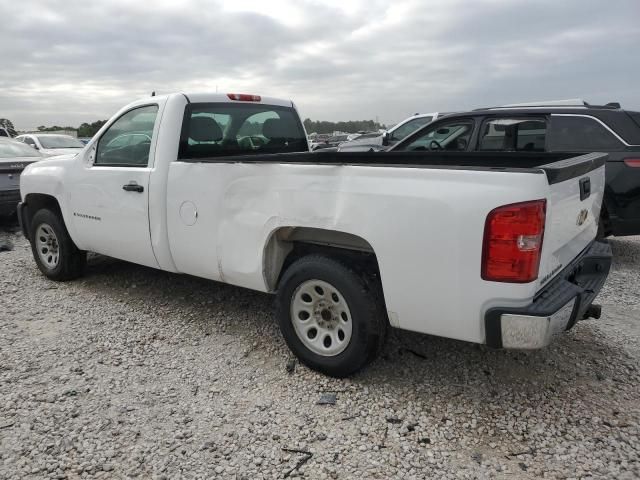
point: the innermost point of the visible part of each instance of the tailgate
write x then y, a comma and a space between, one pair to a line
573, 210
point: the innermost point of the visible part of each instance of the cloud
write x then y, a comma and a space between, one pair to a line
69, 61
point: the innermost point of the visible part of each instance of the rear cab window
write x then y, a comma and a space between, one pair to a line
513, 135
224, 129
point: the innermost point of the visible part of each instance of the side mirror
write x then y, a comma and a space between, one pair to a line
34, 146
385, 139
91, 158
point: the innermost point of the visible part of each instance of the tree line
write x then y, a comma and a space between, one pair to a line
84, 130
351, 126
318, 126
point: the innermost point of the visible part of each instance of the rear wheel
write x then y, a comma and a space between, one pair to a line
604, 225
331, 317
53, 250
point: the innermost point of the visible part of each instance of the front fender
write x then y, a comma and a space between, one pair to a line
47, 177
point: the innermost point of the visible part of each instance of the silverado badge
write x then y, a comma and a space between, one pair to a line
582, 216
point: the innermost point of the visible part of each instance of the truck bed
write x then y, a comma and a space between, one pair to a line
557, 166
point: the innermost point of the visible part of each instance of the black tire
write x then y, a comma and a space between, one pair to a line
604, 225
71, 260
364, 300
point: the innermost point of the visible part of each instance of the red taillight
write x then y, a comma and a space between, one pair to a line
513, 242
632, 162
244, 97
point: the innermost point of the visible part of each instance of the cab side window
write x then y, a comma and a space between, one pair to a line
513, 135
453, 136
127, 141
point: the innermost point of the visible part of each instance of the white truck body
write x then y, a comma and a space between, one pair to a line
235, 219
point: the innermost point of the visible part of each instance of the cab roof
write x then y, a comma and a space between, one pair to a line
231, 97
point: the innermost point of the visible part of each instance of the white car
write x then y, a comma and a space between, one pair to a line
49, 144
493, 249
380, 140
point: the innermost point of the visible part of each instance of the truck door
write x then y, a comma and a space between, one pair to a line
110, 199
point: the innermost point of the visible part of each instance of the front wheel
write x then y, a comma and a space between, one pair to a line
331, 317
55, 253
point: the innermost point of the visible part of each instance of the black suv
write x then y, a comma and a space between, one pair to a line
565, 126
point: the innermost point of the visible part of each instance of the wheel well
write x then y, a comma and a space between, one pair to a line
288, 244
38, 201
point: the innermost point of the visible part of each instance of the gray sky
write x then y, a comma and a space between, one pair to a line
67, 62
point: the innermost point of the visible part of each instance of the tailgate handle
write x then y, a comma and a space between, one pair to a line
585, 188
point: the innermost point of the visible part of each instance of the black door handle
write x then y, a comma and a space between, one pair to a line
133, 187
585, 188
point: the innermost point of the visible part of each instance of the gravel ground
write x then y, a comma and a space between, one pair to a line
131, 372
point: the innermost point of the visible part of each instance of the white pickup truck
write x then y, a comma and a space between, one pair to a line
490, 248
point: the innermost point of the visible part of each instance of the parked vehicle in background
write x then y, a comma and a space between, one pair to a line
331, 142
379, 141
480, 251
84, 140
14, 157
52, 144
319, 139
556, 126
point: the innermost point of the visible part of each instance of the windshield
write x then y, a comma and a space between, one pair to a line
16, 149
59, 141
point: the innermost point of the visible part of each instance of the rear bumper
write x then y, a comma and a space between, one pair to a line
9, 201
556, 308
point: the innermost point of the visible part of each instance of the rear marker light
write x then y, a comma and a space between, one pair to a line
513, 241
244, 97
632, 162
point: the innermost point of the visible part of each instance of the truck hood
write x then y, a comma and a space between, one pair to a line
47, 162
55, 152
64, 157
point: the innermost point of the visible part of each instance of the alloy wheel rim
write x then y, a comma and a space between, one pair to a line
321, 318
47, 246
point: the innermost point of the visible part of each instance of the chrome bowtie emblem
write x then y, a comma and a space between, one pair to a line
582, 217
